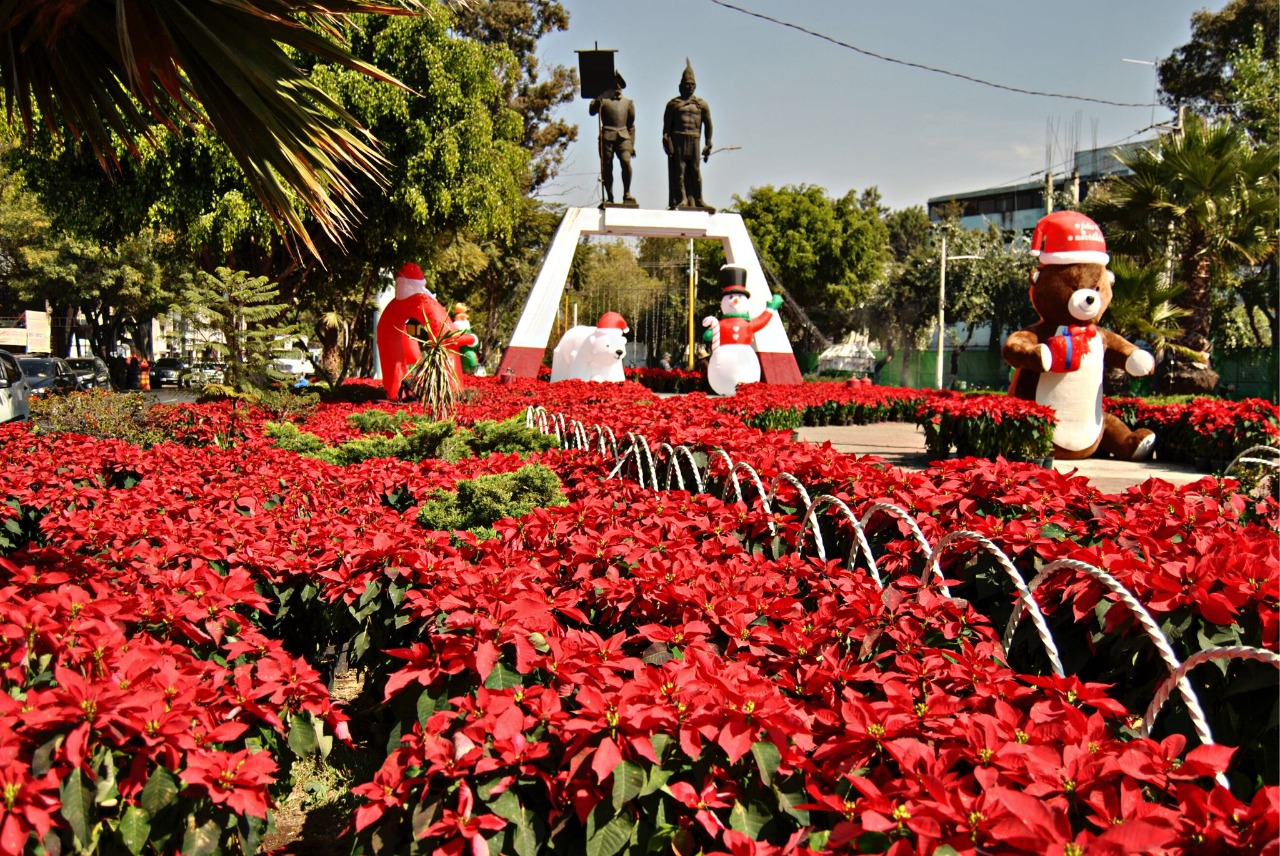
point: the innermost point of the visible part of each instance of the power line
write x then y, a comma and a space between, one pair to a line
928, 68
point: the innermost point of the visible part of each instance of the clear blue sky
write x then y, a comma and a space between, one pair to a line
806, 111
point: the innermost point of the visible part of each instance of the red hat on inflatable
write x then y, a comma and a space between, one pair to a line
612, 321
411, 272
733, 280
1068, 238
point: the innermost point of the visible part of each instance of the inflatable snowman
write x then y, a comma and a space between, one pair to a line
592, 353
733, 360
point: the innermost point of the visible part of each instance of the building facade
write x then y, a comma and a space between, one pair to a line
1018, 207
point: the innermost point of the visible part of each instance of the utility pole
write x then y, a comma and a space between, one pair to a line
942, 302
942, 308
693, 283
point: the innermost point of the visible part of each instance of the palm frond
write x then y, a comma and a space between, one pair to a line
106, 73
434, 380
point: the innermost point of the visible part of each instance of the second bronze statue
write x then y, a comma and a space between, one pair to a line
617, 137
685, 120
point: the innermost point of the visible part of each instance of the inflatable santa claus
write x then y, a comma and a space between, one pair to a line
413, 307
733, 359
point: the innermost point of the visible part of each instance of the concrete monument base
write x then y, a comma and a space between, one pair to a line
529, 342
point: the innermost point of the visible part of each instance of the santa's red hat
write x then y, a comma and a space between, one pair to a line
612, 321
411, 272
1068, 238
410, 281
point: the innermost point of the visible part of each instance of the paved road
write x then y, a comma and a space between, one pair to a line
902, 444
170, 395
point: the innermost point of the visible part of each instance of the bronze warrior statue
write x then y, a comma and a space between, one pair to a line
682, 124
617, 136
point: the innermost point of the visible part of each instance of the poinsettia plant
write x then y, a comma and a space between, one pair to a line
638, 669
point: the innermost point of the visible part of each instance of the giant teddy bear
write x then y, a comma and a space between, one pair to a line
397, 350
1060, 360
733, 359
592, 353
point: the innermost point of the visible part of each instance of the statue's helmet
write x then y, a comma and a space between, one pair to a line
686, 79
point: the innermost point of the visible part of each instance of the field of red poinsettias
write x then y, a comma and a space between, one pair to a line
636, 670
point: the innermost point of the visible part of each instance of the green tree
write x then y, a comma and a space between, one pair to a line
24, 238
827, 253
457, 170
1252, 88
990, 290
496, 291
230, 66
454, 199
607, 277
541, 91
667, 260
244, 311
1206, 200
1198, 75
1143, 311
899, 311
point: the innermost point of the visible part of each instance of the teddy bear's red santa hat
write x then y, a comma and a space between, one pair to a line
1068, 238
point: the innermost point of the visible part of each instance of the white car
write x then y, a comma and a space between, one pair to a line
15, 390
292, 362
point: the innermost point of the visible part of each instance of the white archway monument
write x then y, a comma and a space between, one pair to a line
524, 355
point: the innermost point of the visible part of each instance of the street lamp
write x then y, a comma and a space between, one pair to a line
942, 302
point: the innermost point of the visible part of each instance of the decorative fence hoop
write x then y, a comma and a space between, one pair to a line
1157, 637
860, 538
1266, 456
733, 476
638, 448
673, 454
900, 513
755, 480
1210, 655
787, 478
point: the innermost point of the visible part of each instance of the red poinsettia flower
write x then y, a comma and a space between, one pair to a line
27, 805
467, 827
237, 779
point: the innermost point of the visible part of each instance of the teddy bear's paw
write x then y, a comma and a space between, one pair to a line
1140, 364
1046, 358
1143, 450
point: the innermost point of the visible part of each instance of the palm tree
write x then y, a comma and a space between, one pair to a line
1142, 310
1205, 200
105, 70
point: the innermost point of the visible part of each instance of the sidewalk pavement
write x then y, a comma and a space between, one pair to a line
902, 444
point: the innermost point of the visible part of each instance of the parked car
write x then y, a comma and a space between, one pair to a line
92, 371
202, 373
49, 376
168, 371
292, 361
15, 391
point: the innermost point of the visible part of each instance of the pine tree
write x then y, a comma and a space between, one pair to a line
243, 310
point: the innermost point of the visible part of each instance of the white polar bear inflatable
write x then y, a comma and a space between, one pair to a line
592, 353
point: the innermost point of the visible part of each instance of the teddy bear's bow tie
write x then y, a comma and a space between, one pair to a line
1087, 330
